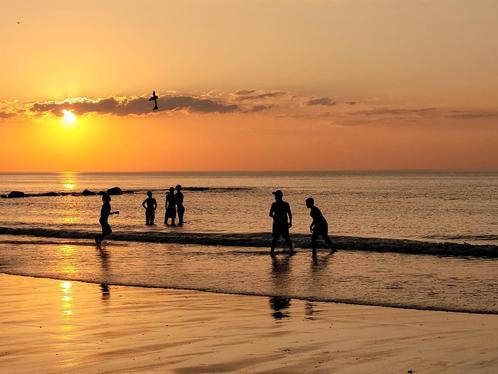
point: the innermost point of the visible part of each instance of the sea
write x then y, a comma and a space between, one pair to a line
433, 207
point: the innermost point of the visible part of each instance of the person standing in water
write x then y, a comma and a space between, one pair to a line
105, 212
170, 207
319, 226
150, 206
282, 220
179, 204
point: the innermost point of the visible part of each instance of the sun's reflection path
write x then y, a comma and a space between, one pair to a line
67, 263
67, 326
69, 181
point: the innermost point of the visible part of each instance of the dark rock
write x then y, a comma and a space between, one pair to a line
49, 194
88, 193
16, 194
3, 196
115, 191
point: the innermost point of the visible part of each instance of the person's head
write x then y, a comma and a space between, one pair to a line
278, 195
178, 187
172, 190
149, 193
106, 197
310, 202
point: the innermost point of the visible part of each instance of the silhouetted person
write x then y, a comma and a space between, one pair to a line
179, 204
150, 206
282, 220
170, 207
319, 226
105, 212
154, 98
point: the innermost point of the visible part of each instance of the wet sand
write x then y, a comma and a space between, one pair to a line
50, 326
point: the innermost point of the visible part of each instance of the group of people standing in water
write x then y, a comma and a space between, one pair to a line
280, 211
174, 207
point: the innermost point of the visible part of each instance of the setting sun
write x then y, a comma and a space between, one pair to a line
68, 118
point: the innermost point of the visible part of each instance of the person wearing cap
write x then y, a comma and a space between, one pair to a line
282, 220
319, 226
150, 206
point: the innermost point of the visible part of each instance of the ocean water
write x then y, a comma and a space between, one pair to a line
458, 207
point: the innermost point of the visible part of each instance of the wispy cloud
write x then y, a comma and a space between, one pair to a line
325, 101
473, 114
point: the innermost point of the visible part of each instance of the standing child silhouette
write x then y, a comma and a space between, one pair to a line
150, 206
170, 207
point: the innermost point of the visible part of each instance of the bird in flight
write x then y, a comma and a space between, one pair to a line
154, 98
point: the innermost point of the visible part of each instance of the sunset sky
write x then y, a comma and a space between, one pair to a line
248, 85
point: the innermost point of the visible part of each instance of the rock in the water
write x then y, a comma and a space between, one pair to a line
49, 194
115, 191
88, 193
16, 194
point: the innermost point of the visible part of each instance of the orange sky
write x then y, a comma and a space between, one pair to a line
280, 85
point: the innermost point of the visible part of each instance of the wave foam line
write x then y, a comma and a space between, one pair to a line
350, 301
263, 239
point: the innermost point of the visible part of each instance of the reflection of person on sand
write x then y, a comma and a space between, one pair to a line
105, 212
319, 226
279, 305
150, 206
282, 220
170, 207
179, 204
104, 287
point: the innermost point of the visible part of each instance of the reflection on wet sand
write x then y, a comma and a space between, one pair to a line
105, 266
66, 288
280, 271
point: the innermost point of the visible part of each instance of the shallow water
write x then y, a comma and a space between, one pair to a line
385, 279
461, 207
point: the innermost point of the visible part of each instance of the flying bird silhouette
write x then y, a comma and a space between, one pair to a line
154, 98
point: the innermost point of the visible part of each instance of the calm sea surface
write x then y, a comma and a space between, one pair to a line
460, 207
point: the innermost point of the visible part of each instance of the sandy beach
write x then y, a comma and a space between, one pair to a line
53, 326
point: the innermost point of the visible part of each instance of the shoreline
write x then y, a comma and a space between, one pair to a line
67, 326
350, 302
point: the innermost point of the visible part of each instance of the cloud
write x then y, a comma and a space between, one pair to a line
325, 101
257, 95
135, 105
244, 92
4, 115
473, 114
420, 112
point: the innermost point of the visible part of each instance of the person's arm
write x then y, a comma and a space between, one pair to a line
272, 210
154, 204
312, 226
289, 213
143, 204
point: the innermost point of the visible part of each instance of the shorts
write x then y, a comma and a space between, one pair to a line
150, 214
280, 229
321, 230
106, 228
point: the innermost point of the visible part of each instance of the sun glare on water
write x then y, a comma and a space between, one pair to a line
68, 118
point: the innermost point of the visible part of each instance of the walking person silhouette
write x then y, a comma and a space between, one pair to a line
319, 226
150, 206
179, 204
282, 220
105, 212
170, 207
